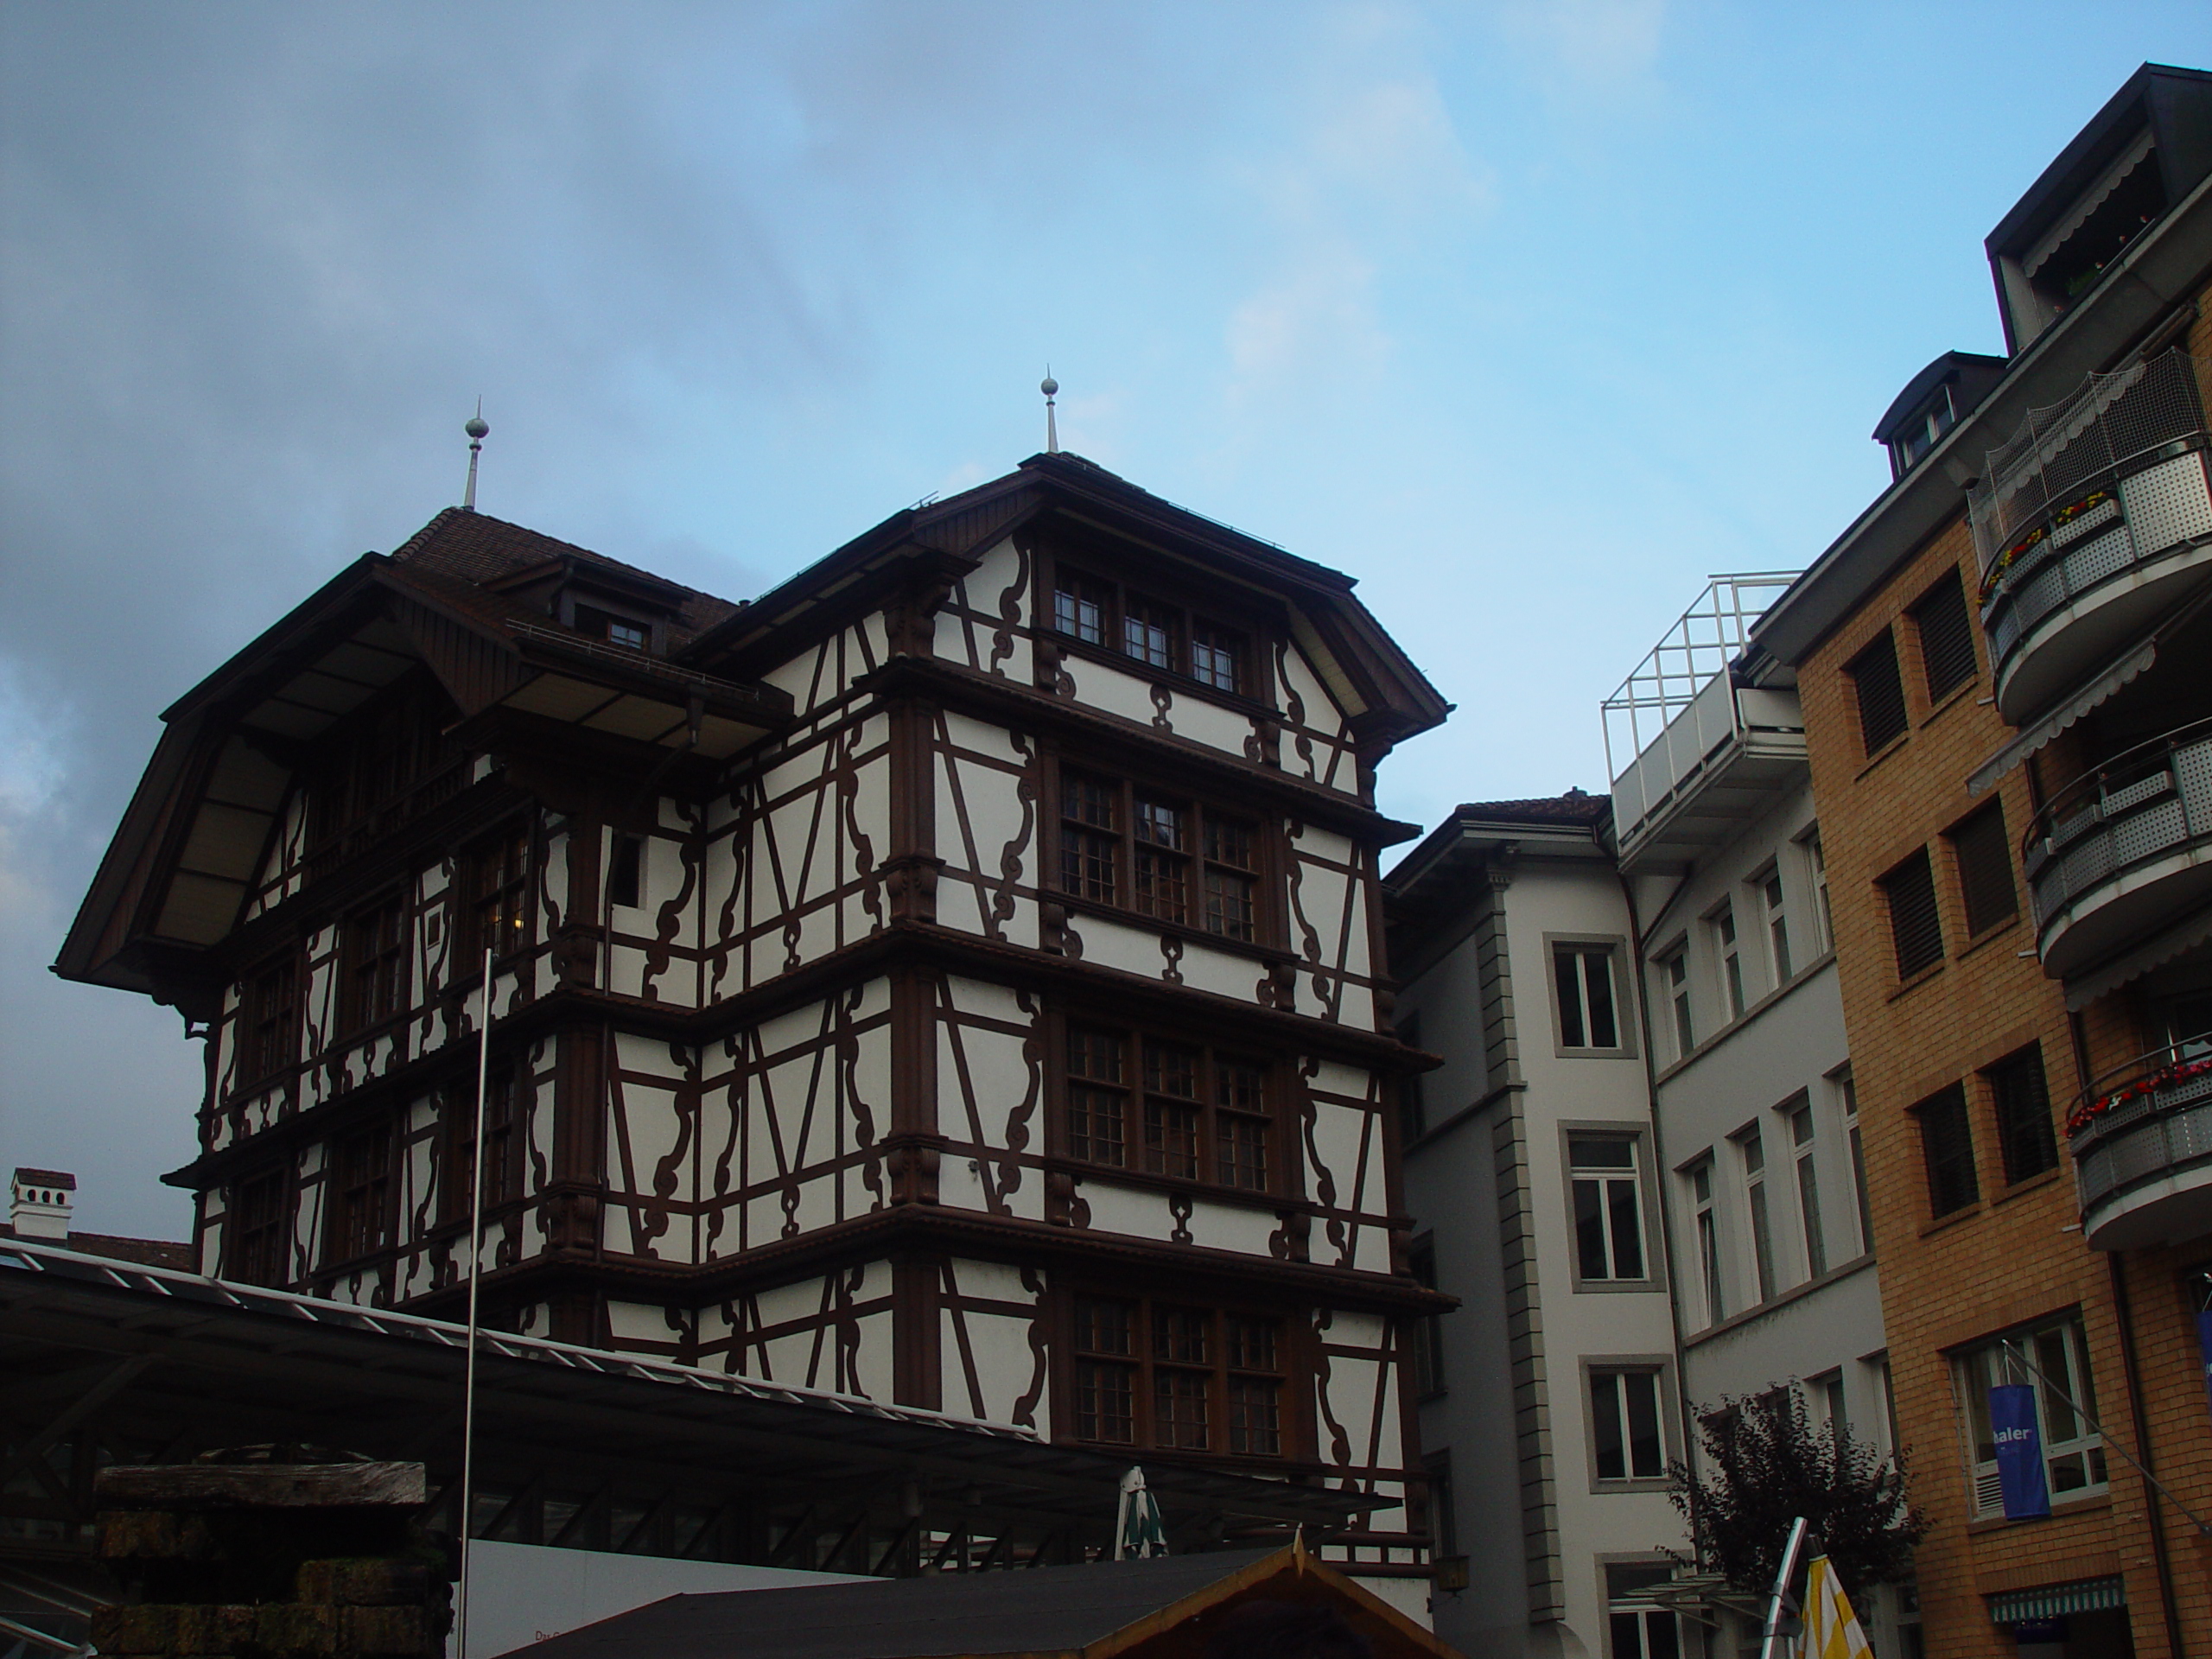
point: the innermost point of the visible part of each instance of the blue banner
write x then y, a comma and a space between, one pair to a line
2204, 1344
2019, 1452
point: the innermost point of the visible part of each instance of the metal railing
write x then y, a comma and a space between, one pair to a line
2061, 453
2136, 807
1704, 640
2142, 1119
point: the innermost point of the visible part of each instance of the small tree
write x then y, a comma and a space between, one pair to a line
1767, 1464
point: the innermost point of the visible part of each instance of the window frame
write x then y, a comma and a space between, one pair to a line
1948, 587
1874, 672
243, 1259
1772, 894
1816, 875
505, 903
1279, 1181
373, 987
1144, 1363
352, 1235
1917, 867
1249, 639
1750, 1143
1198, 859
507, 1124
1643, 1178
1426, 1331
1613, 950
1950, 1100
1847, 1089
1797, 1113
1971, 842
1728, 958
1971, 1400
1698, 1175
1673, 963
1659, 1369
2026, 1060
258, 1034
1621, 1601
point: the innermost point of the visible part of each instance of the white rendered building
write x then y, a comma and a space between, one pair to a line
1550, 1398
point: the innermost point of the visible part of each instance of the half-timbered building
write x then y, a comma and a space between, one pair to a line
954, 977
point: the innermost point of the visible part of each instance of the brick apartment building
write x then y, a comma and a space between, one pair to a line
2005, 670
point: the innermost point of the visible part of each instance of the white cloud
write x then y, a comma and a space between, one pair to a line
1592, 45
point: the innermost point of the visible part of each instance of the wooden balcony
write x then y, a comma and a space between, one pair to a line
2092, 523
2119, 855
2142, 1143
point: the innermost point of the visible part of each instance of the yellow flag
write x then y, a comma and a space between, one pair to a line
1830, 1628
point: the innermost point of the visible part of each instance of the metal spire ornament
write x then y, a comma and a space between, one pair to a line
476, 428
1049, 387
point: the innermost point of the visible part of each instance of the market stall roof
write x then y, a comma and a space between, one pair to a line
1166, 1605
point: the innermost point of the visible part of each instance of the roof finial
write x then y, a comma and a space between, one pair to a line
1049, 387
476, 428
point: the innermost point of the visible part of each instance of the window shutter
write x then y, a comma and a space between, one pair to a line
1881, 693
1914, 924
1984, 858
1946, 637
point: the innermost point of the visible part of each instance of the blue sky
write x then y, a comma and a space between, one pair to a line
1530, 315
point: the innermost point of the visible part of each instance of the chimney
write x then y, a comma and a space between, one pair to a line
39, 1201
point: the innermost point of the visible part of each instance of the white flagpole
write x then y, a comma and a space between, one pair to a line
475, 1259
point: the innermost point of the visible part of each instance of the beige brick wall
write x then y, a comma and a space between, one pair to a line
2009, 1256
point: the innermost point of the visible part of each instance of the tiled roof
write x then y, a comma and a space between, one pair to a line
146, 1252
1574, 807
474, 547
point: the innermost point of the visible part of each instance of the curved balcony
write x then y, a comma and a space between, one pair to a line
2142, 1141
2092, 523
2119, 853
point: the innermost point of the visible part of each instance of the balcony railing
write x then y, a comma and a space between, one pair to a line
1680, 721
2142, 1144
2123, 850
2087, 523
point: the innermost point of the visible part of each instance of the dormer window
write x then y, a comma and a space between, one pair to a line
1153, 631
1921, 430
622, 631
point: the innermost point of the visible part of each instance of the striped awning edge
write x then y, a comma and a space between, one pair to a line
2055, 1600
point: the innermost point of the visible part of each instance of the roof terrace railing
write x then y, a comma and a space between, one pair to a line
1691, 654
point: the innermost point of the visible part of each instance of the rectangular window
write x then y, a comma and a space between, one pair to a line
1152, 853
626, 882
1946, 1149
1608, 1207
1708, 1241
1732, 959
1201, 1113
2024, 1132
502, 1171
1582, 975
1624, 1435
1215, 654
1413, 1111
1849, 1091
1916, 928
375, 963
1159, 635
1443, 1513
498, 885
1827, 1397
1809, 1188
1081, 609
1880, 691
1189, 1379
1098, 1097
1638, 1626
1676, 968
2053, 1359
361, 1194
1817, 867
1946, 637
271, 1038
1752, 1151
1777, 926
259, 1230
1985, 860
1427, 1328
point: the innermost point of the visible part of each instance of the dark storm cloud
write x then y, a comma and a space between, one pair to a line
257, 259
